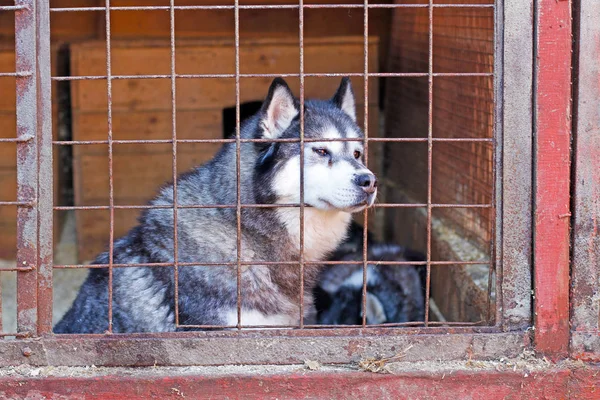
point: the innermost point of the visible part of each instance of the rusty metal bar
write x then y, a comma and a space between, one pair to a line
263, 7
18, 269
337, 327
307, 140
18, 203
327, 332
494, 216
302, 76
45, 171
224, 264
27, 165
16, 140
150, 207
16, 7
111, 190
238, 145
17, 335
286, 75
429, 159
21, 74
366, 155
174, 142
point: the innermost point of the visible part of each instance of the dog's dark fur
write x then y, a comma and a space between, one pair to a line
394, 293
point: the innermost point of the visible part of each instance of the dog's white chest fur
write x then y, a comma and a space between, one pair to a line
323, 230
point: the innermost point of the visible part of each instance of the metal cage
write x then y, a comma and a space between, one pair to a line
530, 240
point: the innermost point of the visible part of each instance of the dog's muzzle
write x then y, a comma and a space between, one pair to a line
367, 182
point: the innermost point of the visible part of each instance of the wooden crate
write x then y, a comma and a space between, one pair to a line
141, 109
320, 22
8, 154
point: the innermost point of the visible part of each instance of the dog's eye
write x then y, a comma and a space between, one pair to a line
322, 152
357, 154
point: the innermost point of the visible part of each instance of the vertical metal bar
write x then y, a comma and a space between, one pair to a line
301, 38
499, 59
238, 163
552, 180
366, 155
110, 167
514, 140
45, 169
492, 213
429, 160
27, 164
174, 148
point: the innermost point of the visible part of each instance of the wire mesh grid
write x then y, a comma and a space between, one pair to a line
27, 204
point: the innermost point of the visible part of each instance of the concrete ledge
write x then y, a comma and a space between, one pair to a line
466, 380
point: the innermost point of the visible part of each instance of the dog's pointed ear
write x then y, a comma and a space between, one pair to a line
278, 110
344, 98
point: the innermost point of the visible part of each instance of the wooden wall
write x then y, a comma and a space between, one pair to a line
141, 109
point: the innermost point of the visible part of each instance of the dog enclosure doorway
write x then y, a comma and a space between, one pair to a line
246, 110
447, 145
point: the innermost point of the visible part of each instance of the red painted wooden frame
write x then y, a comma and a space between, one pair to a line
558, 382
552, 176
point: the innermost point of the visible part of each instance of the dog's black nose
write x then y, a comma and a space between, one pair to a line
366, 181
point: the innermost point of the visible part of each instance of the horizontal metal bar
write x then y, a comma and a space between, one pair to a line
18, 269
307, 140
433, 205
324, 331
366, 327
20, 74
14, 8
232, 206
286, 75
263, 7
229, 264
18, 335
18, 203
20, 139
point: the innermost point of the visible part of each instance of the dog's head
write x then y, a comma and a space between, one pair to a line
335, 177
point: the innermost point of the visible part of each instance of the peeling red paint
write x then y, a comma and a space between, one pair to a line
552, 185
549, 383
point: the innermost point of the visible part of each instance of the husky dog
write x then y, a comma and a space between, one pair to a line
395, 293
336, 184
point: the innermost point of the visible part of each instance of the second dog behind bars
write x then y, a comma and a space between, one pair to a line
336, 184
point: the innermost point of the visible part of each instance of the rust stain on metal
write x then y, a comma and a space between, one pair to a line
25, 60
45, 170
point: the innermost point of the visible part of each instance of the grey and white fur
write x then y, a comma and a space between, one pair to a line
395, 293
336, 184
